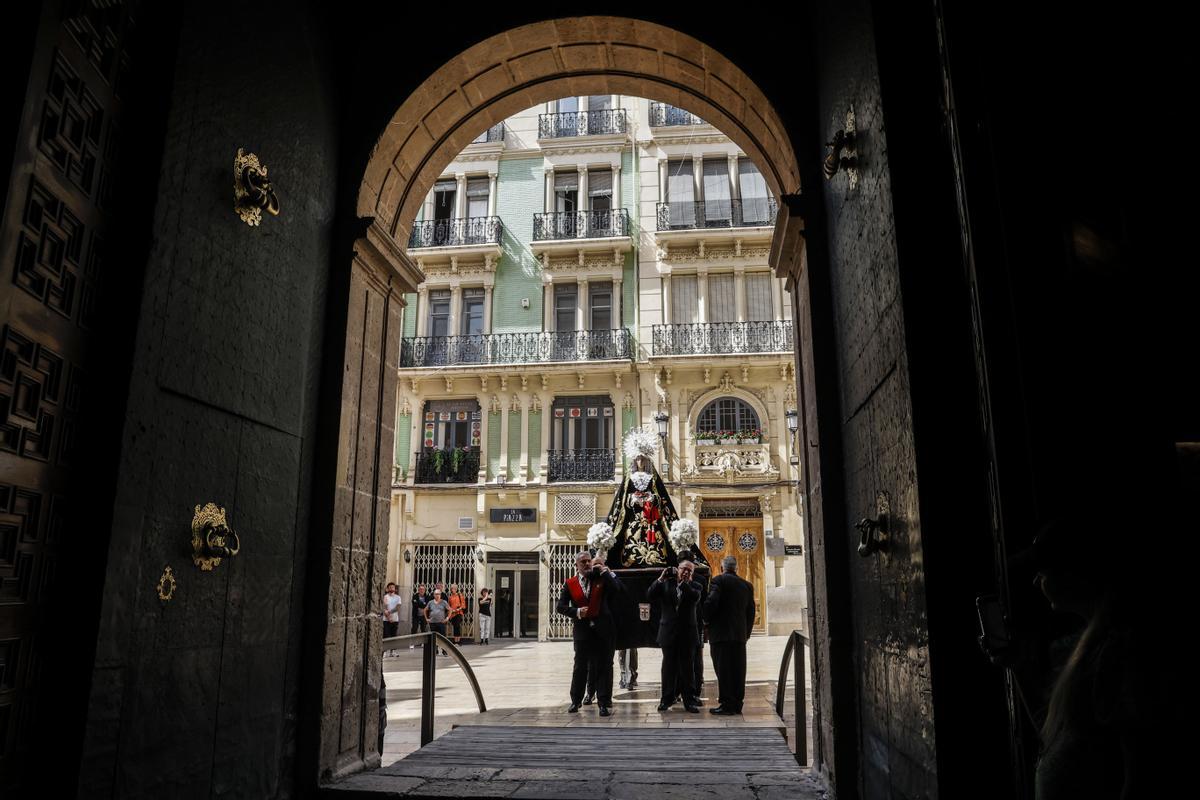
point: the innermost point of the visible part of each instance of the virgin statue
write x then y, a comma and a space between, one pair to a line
641, 514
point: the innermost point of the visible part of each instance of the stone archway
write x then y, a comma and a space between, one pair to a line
484, 85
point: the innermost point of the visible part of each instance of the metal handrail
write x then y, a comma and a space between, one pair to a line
429, 673
793, 653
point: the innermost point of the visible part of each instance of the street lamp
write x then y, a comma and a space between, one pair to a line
660, 418
793, 423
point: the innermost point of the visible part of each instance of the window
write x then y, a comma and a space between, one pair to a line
600, 305
758, 297
600, 192
685, 302
565, 303
567, 104
451, 423
756, 208
722, 302
582, 423
600, 102
472, 316
681, 194
444, 193
717, 208
566, 191
439, 313
477, 197
727, 414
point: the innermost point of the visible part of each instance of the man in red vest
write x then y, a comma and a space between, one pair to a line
586, 598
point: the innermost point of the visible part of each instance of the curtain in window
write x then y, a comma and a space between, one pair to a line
758, 297
477, 197
722, 303
599, 102
753, 189
716, 190
684, 300
681, 193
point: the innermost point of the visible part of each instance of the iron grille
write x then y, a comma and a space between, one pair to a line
708, 338
665, 115
448, 564
585, 464
575, 509
516, 348
691, 214
438, 466
456, 232
581, 123
492, 134
562, 567
730, 509
594, 223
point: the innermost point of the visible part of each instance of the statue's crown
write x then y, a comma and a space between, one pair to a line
641, 442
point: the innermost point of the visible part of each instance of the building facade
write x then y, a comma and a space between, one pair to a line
591, 265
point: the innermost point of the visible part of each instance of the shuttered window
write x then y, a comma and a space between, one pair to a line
758, 297
722, 302
684, 300
716, 190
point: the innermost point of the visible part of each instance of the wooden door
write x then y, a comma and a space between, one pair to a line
742, 539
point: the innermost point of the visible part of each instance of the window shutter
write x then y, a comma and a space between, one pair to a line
600, 183
758, 297
684, 299
722, 303
566, 181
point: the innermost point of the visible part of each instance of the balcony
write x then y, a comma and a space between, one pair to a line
604, 122
516, 348
690, 215
451, 465
492, 134
594, 224
591, 464
664, 115
456, 232
722, 338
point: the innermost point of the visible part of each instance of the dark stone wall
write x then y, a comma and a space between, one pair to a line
199, 696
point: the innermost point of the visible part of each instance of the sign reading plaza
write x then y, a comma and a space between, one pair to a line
514, 515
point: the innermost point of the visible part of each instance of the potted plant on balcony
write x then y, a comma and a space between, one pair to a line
728, 437
706, 438
456, 458
749, 436
439, 460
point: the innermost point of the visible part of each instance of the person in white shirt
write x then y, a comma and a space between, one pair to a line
391, 614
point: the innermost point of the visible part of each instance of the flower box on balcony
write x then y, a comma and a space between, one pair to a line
705, 442
751, 440
730, 440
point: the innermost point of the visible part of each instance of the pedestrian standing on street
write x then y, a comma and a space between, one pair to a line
729, 612
586, 598
437, 611
458, 612
391, 614
677, 595
419, 600
485, 616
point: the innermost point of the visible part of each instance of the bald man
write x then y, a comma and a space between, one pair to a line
586, 598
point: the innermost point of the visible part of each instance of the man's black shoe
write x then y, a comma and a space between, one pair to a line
604, 712
691, 709
573, 709
663, 706
588, 699
723, 712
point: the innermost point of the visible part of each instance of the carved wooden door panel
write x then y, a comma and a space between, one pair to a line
742, 539
52, 253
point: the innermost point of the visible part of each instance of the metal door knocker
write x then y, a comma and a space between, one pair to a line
252, 189
212, 538
870, 530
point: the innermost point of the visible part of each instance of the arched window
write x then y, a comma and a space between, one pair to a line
727, 414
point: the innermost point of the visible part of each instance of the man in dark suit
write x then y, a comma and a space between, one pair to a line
586, 598
678, 596
729, 612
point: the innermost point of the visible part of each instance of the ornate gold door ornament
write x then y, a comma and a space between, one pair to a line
252, 190
212, 538
166, 584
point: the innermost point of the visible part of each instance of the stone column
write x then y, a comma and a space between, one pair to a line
667, 317
503, 468
429, 205
662, 180
549, 189
487, 309
524, 439
455, 307
416, 437
777, 297
491, 194
581, 302
675, 433
484, 425
702, 293
698, 177
734, 189
544, 457
739, 292
422, 310
616, 195
548, 304
460, 195
616, 304
582, 228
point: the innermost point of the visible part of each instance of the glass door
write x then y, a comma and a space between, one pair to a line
528, 594
516, 607
504, 609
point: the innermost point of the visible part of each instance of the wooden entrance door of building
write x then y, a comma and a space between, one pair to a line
742, 539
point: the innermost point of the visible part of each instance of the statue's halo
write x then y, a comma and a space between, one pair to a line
641, 442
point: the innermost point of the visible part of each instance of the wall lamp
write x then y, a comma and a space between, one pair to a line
793, 424
407, 556
479, 554
661, 418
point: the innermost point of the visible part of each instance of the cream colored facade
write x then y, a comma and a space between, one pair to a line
706, 323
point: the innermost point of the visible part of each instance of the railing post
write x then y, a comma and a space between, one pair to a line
798, 703
428, 683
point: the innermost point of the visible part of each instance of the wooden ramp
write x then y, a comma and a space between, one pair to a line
597, 762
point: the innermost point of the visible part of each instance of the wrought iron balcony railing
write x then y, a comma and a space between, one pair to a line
665, 115
591, 464
718, 338
581, 123
744, 213
516, 348
492, 134
456, 232
451, 465
580, 224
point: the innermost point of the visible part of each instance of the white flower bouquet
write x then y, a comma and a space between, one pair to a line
640, 480
683, 535
600, 537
